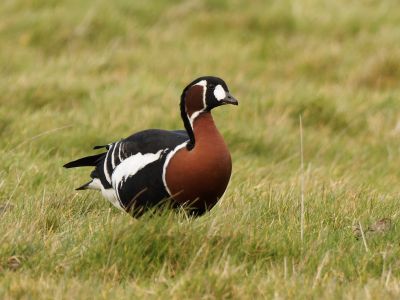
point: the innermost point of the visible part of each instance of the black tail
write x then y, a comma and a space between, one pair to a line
101, 146
85, 161
84, 187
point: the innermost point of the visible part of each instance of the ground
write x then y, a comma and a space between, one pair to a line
80, 73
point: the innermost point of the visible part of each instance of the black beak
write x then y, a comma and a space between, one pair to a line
229, 99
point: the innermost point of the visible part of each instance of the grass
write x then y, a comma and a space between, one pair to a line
79, 73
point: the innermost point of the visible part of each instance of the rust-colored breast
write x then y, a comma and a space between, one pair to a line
199, 177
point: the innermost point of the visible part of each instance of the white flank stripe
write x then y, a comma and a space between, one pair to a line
119, 153
105, 168
112, 156
169, 156
109, 194
95, 184
132, 165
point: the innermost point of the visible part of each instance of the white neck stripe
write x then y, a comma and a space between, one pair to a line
194, 116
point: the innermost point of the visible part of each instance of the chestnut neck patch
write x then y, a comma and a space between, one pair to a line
194, 100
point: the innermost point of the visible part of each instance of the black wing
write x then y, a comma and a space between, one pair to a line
147, 141
144, 188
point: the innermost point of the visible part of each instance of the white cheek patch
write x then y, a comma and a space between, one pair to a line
219, 92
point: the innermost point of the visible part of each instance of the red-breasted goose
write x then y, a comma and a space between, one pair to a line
190, 167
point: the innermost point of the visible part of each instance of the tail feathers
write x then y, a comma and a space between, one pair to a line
85, 161
101, 146
94, 184
85, 186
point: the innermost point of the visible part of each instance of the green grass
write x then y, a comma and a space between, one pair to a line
79, 73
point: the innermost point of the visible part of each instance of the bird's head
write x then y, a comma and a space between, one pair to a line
204, 94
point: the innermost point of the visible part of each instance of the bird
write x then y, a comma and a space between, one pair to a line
189, 168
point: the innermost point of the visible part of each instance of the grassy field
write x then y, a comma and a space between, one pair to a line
74, 74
